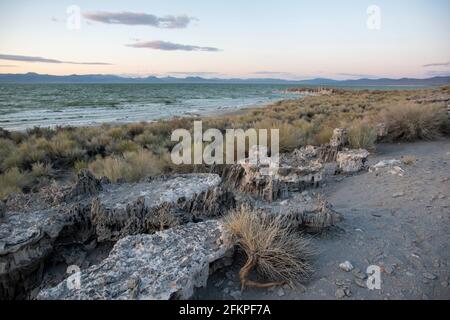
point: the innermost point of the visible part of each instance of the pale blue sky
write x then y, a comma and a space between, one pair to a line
292, 39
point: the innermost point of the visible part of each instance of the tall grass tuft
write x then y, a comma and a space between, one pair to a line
279, 253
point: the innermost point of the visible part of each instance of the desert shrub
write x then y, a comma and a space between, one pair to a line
122, 147
25, 154
79, 165
410, 122
13, 181
39, 170
64, 147
409, 160
135, 129
323, 135
278, 252
147, 138
132, 166
362, 136
6, 148
117, 132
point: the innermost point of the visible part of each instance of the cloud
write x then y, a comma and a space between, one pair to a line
169, 46
442, 64
143, 19
7, 66
438, 73
46, 60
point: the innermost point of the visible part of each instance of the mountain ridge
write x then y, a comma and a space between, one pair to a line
36, 78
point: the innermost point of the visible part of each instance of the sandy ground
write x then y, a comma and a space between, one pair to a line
401, 224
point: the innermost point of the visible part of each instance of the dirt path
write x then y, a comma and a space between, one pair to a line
401, 224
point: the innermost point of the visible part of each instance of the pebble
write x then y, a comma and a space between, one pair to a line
280, 292
340, 293
360, 283
389, 270
398, 195
429, 276
346, 266
359, 274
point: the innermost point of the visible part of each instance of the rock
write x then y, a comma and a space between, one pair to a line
300, 212
398, 195
280, 292
386, 163
352, 160
328, 152
381, 130
27, 239
360, 283
85, 185
340, 293
339, 138
391, 166
346, 266
389, 269
359, 274
129, 209
97, 213
429, 276
271, 182
348, 292
154, 259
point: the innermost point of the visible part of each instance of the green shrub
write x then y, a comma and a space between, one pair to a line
362, 136
132, 167
13, 181
411, 122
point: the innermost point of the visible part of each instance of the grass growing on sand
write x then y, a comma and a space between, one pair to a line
278, 253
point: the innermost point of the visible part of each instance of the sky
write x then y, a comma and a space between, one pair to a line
288, 39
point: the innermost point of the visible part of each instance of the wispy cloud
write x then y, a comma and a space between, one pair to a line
438, 73
143, 19
7, 66
169, 46
46, 60
437, 64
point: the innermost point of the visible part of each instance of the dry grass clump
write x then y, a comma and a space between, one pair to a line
409, 160
362, 136
13, 181
411, 122
278, 253
131, 167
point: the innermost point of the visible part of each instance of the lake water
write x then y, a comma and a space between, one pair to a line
24, 106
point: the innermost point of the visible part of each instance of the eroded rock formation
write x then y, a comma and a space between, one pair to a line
90, 211
165, 265
351, 161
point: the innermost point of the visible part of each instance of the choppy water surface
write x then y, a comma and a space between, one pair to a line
24, 106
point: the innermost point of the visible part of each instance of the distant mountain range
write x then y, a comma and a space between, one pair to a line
102, 78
